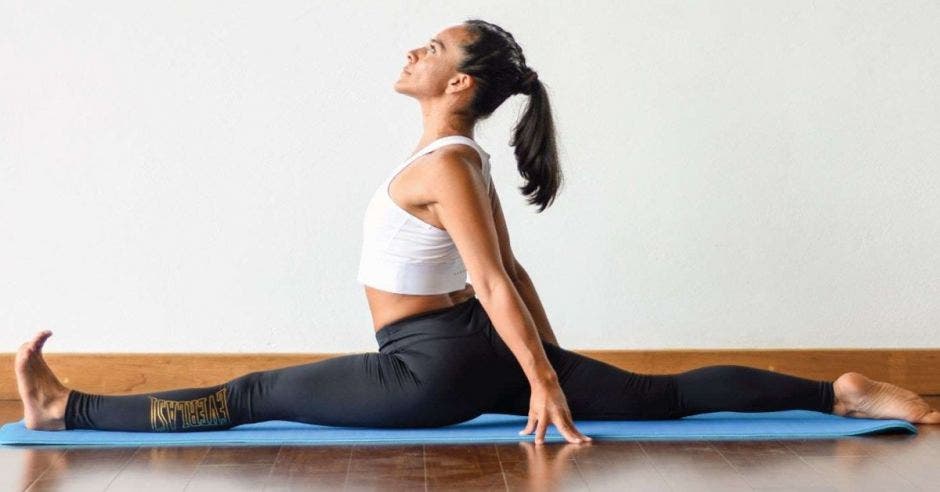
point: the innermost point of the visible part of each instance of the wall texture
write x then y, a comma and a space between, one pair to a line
191, 177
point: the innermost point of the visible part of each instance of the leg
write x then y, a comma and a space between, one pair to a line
595, 390
736, 388
428, 373
600, 391
748, 389
367, 389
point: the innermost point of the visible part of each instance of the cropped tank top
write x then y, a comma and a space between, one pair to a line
404, 254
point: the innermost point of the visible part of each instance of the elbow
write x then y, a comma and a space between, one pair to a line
495, 286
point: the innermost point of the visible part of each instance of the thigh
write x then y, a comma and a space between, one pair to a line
432, 382
596, 390
356, 390
454, 375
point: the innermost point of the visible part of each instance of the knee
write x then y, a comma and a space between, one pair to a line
245, 384
245, 378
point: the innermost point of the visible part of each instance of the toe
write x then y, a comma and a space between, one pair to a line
41, 338
931, 418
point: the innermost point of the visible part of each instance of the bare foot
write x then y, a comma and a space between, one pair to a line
859, 396
43, 396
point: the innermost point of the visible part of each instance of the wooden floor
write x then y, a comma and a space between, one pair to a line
882, 463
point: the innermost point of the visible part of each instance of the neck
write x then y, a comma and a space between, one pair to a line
439, 121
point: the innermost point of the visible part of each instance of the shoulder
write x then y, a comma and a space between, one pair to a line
455, 164
455, 177
457, 155
456, 172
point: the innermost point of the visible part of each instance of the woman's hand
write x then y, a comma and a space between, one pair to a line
548, 405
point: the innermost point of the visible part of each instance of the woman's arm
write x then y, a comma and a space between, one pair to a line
460, 201
514, 324
461, 204
527, 291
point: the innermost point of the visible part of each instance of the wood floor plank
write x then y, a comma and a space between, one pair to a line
332, 458
775, 470
310, 468
159, 468
387, 479
671, 454
300, 478
607, 452
858, 473
485, 475
463, 467
20, 466
761, 447
847, 446
519, 451
241, 455
247, 477
693, 465
704, 477
918, 465
460, 454
874, 446
84, 469
544, 474
617, 465
365, 458
395, 467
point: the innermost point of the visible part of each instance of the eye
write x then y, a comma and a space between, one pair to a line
431, 46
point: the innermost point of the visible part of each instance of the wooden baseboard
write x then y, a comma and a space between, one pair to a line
115, 374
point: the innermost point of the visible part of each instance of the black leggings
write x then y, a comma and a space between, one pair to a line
440, 368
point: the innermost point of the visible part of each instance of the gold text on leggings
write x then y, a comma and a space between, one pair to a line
210, 410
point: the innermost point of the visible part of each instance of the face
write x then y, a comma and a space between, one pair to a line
431, 70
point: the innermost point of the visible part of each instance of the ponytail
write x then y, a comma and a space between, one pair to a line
536, 152
497, 64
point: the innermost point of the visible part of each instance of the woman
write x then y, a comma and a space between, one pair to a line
448, 354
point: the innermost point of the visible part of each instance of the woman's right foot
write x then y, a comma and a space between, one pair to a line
861, 397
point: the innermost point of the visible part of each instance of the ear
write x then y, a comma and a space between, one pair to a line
460, 82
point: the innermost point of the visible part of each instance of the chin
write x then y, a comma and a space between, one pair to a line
400, 90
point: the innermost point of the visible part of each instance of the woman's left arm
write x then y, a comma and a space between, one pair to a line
531, 299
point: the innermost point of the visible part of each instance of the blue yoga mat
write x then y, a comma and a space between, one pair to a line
490, 427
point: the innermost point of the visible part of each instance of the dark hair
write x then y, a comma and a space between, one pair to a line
497, 65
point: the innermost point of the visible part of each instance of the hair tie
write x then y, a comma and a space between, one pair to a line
529, 79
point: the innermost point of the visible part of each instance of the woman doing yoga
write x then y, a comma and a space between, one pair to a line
448, 351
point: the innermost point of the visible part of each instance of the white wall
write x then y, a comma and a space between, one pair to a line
191, 177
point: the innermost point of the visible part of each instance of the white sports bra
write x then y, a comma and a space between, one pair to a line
403, 254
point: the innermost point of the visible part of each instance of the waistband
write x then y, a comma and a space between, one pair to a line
452, 320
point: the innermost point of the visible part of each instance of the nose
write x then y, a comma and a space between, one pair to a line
413, 55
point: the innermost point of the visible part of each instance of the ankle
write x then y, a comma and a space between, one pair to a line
839, 407
59, 407
844, 390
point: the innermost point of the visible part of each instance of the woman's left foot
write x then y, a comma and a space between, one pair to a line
43, 395
866, 398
